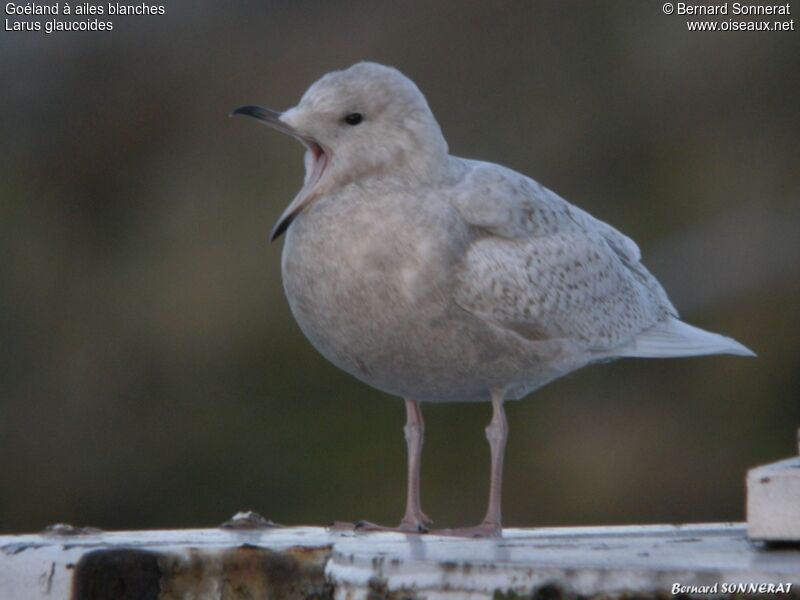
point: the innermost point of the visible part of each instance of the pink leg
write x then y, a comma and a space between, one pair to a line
414, 519
497, 434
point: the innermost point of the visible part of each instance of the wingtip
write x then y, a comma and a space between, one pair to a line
674, 338
737, 348
742, 350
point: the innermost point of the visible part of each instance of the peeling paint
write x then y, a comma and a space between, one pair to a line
249, 519
246, 571
65, 529
618, 563
18, 548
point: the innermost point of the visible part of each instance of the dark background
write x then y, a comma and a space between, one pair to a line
151, 374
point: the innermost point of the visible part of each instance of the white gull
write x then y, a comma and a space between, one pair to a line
441, 279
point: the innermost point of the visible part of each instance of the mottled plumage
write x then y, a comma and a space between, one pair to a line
437, 278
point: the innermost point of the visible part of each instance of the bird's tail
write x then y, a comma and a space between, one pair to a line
673, 337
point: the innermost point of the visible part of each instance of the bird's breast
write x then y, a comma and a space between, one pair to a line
369, 277
367, 256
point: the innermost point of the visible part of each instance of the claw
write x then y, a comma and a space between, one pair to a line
413, 526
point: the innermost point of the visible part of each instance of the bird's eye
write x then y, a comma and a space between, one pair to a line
354, 118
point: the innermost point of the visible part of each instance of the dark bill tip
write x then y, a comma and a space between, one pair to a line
257, 112
249, 110
280, 227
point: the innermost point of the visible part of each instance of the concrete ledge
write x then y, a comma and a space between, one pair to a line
773, 501
645, 561
312, 562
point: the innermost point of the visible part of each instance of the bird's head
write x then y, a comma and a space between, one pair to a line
366, 121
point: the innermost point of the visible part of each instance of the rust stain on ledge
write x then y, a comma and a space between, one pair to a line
243, 572
315, 563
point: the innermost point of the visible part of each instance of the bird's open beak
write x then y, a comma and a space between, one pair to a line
319, 160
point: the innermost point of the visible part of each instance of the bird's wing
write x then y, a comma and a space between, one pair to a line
545, 269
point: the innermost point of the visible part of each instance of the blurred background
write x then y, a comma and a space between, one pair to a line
151, 374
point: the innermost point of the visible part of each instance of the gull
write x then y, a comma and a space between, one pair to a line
441, 279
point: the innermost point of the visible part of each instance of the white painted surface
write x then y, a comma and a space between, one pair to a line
583, 560
41, 566
594, 560
773, 502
